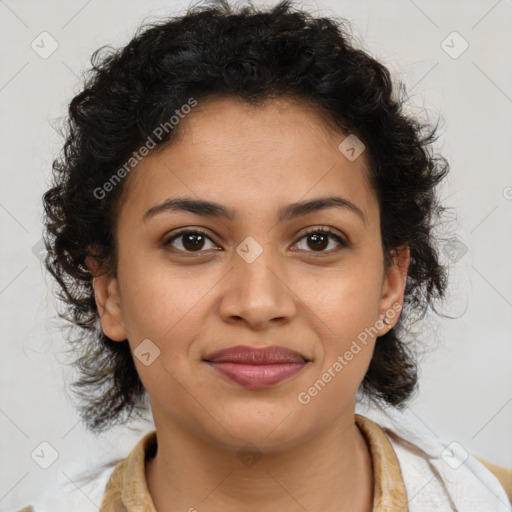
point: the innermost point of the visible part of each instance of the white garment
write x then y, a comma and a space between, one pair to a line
438, 476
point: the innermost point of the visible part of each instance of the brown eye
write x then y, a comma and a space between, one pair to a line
317, 240
190, 241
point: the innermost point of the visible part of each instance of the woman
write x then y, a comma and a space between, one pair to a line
242, 227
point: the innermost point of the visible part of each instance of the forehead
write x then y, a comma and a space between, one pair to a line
276, 121
243, 153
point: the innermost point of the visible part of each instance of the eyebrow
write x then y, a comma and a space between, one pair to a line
216, 210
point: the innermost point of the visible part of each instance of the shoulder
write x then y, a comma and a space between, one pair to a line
438, 475
78, 494
87, 492
451, 477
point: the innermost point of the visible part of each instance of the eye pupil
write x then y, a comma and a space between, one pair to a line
193, 241
320, 241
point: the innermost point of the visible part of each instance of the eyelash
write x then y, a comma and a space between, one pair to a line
312, 231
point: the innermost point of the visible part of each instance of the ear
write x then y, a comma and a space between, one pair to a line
108, 302
393, 287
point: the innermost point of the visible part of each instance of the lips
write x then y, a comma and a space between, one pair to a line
248, 355
256, 368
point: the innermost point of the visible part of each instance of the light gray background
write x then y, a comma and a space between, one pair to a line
466, 382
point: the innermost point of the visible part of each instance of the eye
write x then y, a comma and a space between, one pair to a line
194, 241
318, 240
191, 240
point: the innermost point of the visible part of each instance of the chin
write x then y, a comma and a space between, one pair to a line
269, 430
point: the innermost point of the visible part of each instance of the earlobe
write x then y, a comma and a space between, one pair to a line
394, 287
108, 302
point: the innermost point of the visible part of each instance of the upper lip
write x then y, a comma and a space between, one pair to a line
243, 354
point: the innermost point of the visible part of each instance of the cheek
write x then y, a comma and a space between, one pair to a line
347, 297
345, 309
157, 296
166, 306
344, 325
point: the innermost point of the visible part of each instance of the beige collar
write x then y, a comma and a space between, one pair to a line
127, 490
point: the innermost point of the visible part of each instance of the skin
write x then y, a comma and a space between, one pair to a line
254, 160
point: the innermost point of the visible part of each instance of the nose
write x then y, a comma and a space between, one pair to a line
257, 293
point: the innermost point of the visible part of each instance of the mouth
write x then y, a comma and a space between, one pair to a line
257, 368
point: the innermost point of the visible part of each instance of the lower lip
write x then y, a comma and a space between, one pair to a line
257, 376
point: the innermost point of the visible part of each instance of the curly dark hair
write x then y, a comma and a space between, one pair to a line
252, 54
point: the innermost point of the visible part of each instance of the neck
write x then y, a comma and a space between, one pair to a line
332, 471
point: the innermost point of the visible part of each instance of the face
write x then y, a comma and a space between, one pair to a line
191, 283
